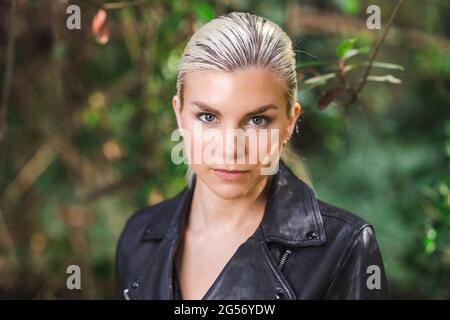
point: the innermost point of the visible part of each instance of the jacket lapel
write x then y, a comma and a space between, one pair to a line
292, 214
250, 274
291, 218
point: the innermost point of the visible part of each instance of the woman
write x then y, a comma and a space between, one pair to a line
238, 231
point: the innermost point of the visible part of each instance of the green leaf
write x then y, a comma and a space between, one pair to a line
384, 65
203, 11
386, 78
353, 52
319, 80
349, 7
349, 67
344, 47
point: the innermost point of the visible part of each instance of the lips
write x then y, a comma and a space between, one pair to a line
230, 174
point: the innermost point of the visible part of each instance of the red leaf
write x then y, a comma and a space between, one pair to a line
328, 97
100, 29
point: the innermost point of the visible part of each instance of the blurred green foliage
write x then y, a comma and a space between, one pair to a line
89, 128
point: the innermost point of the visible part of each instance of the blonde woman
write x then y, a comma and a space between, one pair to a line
238, 231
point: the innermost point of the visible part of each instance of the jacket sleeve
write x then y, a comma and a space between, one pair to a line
360, 273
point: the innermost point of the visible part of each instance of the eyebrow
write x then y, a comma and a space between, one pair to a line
204, 107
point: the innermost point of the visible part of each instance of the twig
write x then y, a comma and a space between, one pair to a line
354, 93
9, 66
304, 20
126, 182
123, 4
378, 45
116, 5
32, 170
7, 239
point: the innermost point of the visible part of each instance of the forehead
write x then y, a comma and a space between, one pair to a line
241, 89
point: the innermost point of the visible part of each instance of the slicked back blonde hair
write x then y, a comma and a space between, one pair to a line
235, 41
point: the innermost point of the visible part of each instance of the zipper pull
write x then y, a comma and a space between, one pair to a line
283, 259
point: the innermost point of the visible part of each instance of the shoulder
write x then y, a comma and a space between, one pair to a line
353, 244
336, 218
137, 237
332, 213
146, 224
346, 230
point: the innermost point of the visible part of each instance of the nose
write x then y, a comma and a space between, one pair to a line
234, 147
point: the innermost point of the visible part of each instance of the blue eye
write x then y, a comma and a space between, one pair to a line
207, 117
258, 121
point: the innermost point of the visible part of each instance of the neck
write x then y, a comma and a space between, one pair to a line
211, 212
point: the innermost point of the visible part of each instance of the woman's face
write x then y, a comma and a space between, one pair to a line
233, 125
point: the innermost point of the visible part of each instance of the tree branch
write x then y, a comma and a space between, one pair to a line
378, 45
123, 4
305, 20
116, 5
354, 93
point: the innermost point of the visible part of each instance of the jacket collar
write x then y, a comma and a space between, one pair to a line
292, 216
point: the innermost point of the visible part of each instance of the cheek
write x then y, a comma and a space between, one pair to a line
188, 137
268, 143
194, 140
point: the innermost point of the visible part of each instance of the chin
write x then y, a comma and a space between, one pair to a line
229, 190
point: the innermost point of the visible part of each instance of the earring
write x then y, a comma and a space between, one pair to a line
297, 130
284, 143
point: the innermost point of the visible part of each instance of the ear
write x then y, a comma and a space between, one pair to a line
176, 104
294, 114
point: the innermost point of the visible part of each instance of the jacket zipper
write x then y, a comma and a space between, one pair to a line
283, 259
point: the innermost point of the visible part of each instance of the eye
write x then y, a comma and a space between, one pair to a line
207, 117
258, 121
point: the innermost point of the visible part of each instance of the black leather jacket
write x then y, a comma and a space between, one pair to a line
303, 248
